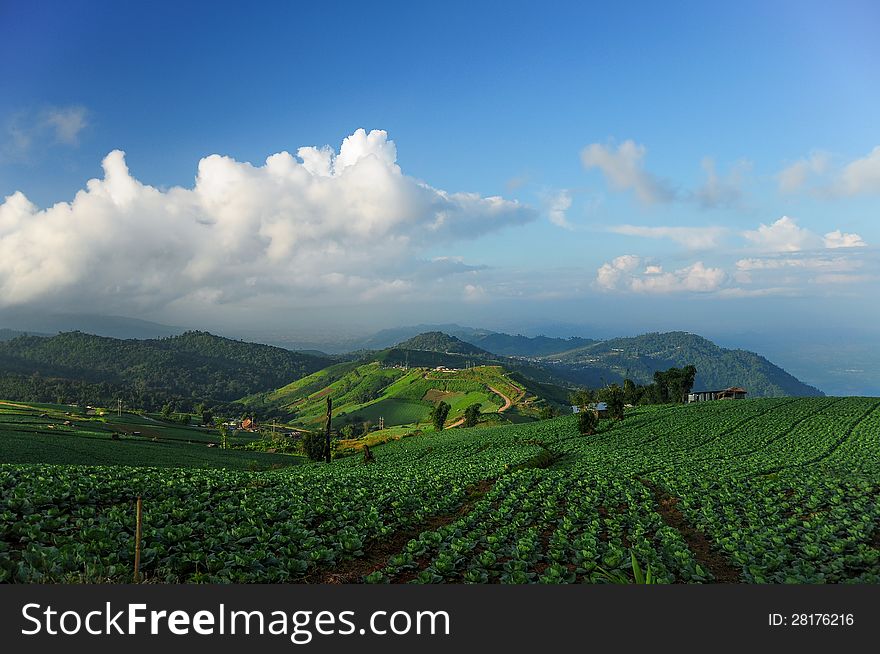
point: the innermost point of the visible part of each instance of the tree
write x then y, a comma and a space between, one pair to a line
207, 417
682, 383
581, 397
673, 385
167, 410
313, 445
439, 414
472, 415
547, 412
631, 392
612, 395
587, 421
224, 435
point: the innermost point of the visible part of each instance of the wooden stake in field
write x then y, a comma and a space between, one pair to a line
327, 430
137, 540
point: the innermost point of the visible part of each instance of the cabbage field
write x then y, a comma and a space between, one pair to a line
756, 491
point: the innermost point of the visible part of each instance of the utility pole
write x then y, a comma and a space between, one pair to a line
381, 422
327, 430
119, 407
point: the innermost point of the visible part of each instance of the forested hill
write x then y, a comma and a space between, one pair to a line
524, 346
186, 369
638, 357
440, 342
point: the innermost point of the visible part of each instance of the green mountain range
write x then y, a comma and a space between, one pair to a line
197, 367
637, 358
187, 369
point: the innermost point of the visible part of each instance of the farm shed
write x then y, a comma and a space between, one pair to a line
732, 393
599, 408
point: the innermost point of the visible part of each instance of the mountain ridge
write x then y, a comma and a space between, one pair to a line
188, 368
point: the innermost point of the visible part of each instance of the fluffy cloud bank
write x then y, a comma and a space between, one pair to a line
789, 258
346, 223
632, 273
785, 235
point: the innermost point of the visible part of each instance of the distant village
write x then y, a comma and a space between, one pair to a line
251, 425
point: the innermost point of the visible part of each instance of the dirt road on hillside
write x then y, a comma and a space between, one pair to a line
507, 404
507, 401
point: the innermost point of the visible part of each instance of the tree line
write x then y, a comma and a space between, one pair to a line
669, 387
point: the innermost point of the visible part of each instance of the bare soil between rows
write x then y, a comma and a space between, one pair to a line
376, 555
708, 557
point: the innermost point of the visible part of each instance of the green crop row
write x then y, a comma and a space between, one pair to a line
758, 491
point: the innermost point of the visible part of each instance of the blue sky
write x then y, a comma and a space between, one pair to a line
639, 149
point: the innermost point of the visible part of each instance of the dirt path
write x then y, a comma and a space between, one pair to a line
507, 404
507, 401
16, 405
376, 555
713, 560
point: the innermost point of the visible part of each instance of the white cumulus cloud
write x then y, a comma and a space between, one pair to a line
322, 224
838, 239
785, 235
631, 273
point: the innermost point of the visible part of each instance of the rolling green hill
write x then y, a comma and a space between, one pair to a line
186, 369
366, 391
637, 358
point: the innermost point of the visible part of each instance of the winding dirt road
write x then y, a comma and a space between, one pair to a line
507, 404
507, 401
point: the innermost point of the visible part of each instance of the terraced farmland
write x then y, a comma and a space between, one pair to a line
758, 491
61, 434
399, 396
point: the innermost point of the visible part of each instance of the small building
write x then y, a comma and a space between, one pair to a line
732, 393
248, 424
599, 408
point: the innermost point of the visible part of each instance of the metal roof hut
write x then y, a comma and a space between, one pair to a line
732, 393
